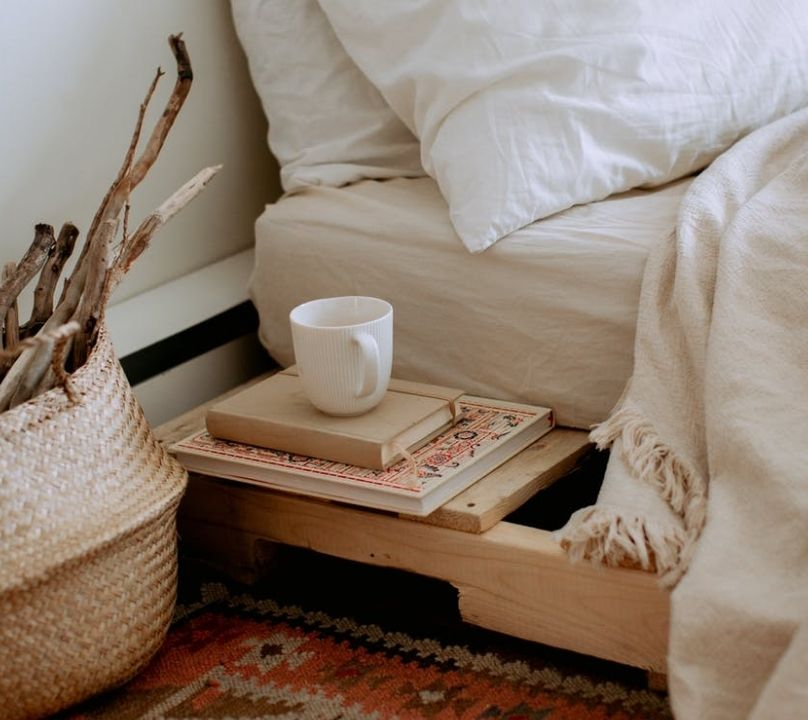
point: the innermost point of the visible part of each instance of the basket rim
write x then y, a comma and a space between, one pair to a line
57, 399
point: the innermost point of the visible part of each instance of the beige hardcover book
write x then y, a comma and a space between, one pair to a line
276, 414
486, 435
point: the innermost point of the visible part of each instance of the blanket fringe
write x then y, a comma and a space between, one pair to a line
604, 536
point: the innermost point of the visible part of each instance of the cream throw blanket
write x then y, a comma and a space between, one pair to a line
708, 479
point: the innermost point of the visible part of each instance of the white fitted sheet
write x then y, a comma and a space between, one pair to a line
545, 316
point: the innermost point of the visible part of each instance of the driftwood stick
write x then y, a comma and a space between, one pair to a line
130, 175
139, 240
91, 306
48, 379
31, 365
118, 192
56, 373
40, 362
175, 102
11, 327
57, 334
49, 277
30, 265
125, 229
124, 235
61, 314
38, 375
116, 197
74, 284
45, 344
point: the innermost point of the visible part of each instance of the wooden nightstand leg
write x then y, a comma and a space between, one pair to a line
205, 533
241, 556
657, 681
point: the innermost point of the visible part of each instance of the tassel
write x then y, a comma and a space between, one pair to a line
411, 479
604, 536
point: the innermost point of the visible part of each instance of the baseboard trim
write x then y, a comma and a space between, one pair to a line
202, 378
190, 343
145, 319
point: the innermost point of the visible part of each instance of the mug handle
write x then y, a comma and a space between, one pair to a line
370, 364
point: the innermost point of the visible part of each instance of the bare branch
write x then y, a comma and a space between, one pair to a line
88, 288
181, 89
140, 238
125, 231
130, 175
49, 277
61, 314
44, 345
91, 306
30, 265
11, 327
118, 192
61, 332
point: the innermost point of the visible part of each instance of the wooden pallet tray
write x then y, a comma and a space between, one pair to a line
510, 578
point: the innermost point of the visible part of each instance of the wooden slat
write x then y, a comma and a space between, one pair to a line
657, 681
507, 488
511, 578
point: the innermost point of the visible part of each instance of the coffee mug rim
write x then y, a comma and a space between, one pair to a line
388, 310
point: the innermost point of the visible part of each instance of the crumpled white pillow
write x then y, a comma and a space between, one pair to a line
526, 107
328, 125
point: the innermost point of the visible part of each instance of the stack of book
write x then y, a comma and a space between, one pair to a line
421, 446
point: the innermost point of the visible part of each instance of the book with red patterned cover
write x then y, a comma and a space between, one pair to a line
488, 433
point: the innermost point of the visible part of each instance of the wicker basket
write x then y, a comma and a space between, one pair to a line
88, 552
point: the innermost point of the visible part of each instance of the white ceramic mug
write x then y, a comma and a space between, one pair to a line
344, 352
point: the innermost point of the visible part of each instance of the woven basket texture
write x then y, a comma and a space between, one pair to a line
88, 546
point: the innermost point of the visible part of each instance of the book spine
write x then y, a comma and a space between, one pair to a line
295, 441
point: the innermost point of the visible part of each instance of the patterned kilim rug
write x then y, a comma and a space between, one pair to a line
326, 639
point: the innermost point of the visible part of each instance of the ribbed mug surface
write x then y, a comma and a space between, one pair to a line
336, 343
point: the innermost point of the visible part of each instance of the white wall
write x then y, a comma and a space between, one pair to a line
72, 75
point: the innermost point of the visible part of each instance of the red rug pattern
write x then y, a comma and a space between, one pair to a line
233, 655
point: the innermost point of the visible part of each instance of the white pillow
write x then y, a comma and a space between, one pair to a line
327, 124
526, 107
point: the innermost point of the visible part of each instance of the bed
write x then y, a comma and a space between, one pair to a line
516, 179
503, 324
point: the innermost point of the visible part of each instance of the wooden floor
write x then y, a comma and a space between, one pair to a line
510, 577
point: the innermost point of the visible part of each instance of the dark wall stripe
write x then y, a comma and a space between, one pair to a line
194, 341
